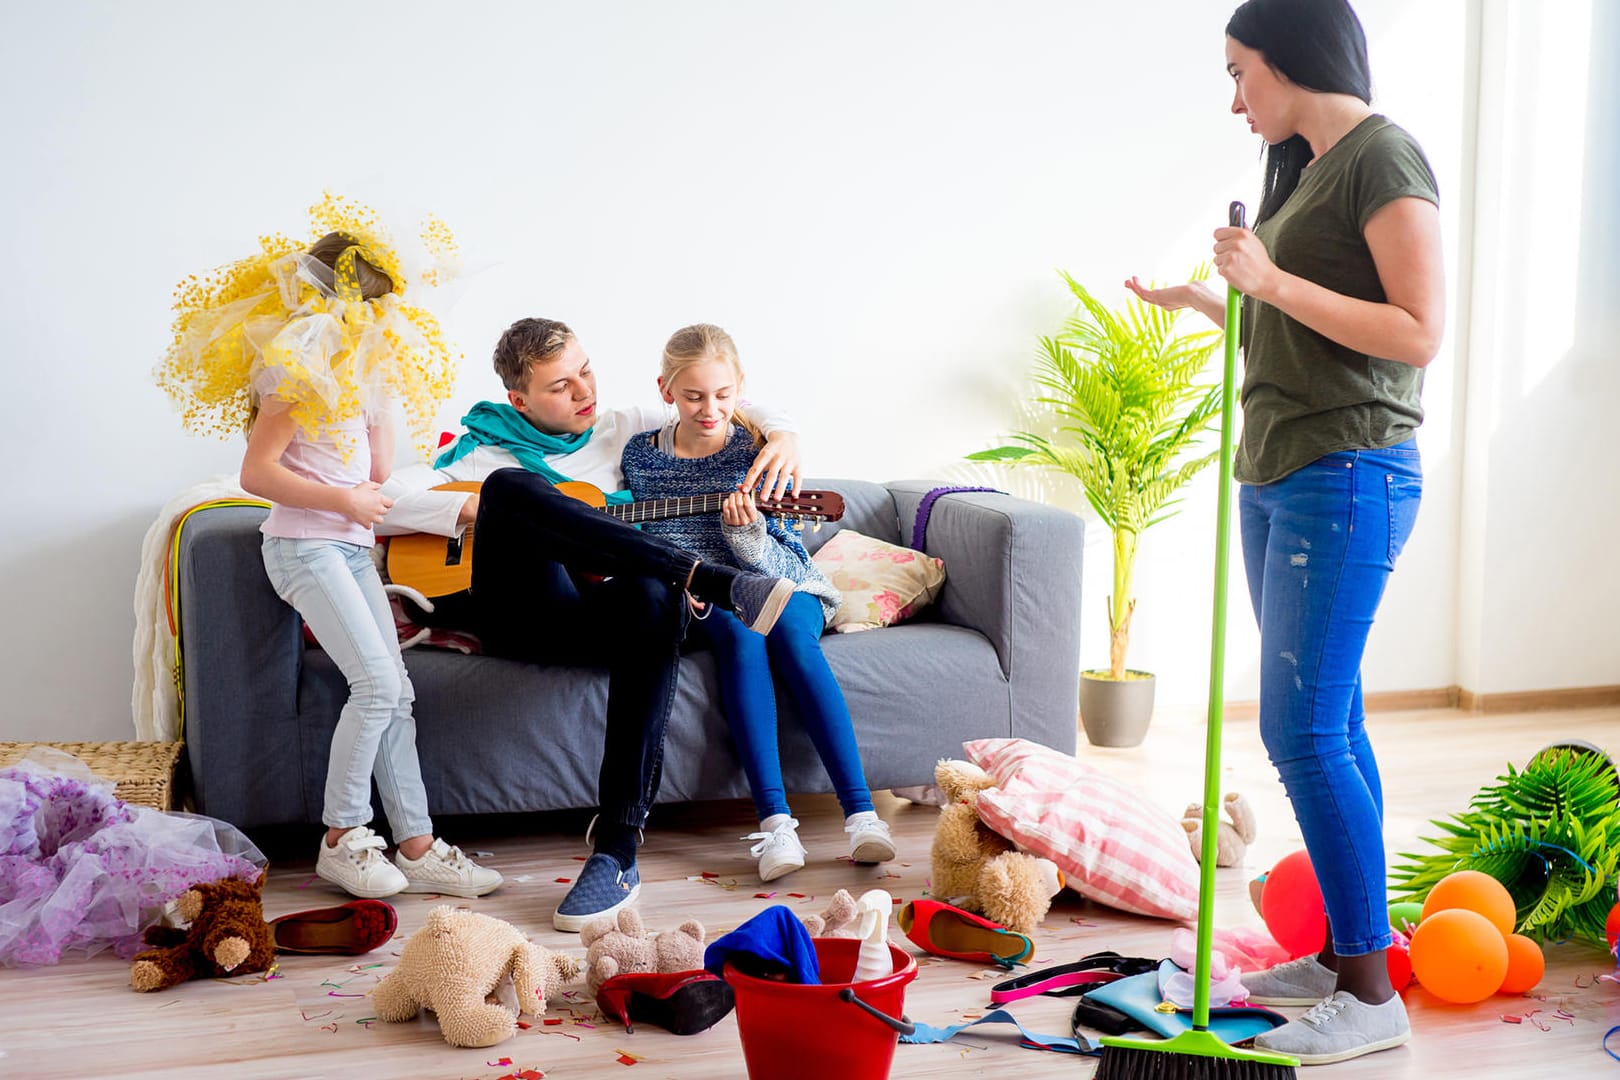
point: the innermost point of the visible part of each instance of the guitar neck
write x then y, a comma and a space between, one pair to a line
655, 509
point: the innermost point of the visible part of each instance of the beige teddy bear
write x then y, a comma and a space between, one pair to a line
1232, 838
625, 947
837, 921
977, 870
476, 973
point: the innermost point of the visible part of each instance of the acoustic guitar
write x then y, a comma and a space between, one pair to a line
437, 566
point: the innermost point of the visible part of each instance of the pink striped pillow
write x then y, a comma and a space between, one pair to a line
1113, 847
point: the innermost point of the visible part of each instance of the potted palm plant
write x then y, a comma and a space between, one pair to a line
1131, 411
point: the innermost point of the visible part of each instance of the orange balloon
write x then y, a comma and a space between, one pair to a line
1459, 956
1526, 965
1477, 892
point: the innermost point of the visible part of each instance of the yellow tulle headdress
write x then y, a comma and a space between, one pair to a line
281, 324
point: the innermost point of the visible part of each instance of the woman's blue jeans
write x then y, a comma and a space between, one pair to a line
792, 651
1319, 546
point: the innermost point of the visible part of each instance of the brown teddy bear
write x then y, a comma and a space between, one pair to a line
1232, 838
977, 870
477, 974
226, 935
625, 947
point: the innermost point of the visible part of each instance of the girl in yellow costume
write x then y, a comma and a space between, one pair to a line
309, 351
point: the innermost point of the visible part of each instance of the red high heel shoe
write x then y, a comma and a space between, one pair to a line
949, 931
346, 930
681, 1002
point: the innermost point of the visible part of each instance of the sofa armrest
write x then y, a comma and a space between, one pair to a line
1013, 574
242, 650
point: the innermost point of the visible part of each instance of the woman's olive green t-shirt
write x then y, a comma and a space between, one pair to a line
1305, 396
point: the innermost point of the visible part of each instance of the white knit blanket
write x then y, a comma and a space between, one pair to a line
155, 701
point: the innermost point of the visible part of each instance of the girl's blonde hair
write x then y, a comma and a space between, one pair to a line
700, 342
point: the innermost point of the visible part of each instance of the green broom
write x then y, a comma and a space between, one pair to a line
1199, 1054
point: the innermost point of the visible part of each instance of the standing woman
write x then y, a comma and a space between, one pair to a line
1345, 307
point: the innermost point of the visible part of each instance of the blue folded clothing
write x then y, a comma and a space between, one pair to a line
772, 943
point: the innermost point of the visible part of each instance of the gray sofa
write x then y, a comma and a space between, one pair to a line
997, 655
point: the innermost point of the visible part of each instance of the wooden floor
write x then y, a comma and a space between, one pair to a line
81, 1019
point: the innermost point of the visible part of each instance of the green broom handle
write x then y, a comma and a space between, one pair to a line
1217, 659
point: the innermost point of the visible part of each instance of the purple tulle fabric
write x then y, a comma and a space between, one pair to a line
82, 871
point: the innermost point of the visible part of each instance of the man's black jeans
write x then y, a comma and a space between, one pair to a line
534, 598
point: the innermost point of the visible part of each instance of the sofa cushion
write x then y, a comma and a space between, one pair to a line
881, 583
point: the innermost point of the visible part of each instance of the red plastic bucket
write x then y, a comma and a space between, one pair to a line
790, 1030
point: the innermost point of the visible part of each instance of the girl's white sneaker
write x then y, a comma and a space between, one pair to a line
869, 838
357, 865
778, 851
446, 869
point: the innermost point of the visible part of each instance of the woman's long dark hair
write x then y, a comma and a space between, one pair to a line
1315, 44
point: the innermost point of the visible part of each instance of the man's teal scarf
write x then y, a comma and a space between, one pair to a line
490, 424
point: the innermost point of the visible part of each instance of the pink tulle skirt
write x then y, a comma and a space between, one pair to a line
81, 871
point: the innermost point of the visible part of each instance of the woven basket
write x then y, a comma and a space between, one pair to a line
142, 772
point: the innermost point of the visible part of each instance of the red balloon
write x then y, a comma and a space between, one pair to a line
1611, 927
1400, 965
1291, 906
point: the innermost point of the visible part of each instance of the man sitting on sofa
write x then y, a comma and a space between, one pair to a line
536, 593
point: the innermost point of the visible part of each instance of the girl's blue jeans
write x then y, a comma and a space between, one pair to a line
1319, 546
792, 651
335, 587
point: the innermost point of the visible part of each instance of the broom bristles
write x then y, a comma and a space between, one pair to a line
1118, 1063
1191, 1055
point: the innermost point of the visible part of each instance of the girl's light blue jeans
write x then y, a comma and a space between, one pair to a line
792, 651
1319, 546
335, 587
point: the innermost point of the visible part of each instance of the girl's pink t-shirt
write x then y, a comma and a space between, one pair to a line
341, 457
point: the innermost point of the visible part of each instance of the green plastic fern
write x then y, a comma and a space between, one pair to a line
1549, 833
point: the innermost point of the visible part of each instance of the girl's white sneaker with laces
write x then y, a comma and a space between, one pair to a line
869, 838
445, 869
779, 851
356, 865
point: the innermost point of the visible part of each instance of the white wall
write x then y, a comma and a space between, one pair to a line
873, 198
1540, 592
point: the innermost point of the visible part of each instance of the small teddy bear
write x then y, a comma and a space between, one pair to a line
226, 935
625, 947
457, 963
977, 870
838, 920
1232, 838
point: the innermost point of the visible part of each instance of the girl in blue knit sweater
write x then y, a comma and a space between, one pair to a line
706, 449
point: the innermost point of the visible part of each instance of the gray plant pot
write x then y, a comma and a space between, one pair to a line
1115, 713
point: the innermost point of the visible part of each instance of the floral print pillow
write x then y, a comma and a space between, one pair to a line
882, 583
